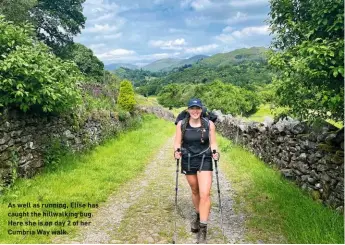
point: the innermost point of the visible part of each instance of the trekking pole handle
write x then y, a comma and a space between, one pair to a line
177, 150
215, 152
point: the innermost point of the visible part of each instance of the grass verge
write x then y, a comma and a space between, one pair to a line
277, 211
87, 178
259, 116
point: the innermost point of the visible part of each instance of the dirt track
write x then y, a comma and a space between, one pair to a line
142, 211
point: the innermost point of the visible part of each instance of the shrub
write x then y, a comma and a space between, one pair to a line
126, 96
31, 77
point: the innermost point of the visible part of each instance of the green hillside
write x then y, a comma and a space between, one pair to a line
161, 64
236, 56
192, 60
114, 66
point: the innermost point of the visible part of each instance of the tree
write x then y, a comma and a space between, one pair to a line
56, 22
310, 58
17, 11
31, 76
126, 98
87, 62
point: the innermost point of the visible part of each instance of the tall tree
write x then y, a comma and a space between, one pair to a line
308, 36
57, 22
17, 11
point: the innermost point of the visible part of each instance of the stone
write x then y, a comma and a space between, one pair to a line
325, 177
302, 157
302, 167
25, 158
311, 180
304, 178
2, 141
287, 173
318, 186
3, 147
5, 156
15, 134
68, 134
299, 128
321, 167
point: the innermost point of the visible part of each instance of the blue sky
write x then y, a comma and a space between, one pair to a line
141, 31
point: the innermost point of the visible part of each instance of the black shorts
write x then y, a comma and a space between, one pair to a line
195, 166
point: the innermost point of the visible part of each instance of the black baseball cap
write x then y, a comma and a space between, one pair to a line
194, 102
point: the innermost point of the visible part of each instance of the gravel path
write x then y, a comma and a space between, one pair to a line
142, 211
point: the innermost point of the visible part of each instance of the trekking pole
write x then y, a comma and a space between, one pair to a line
176, 188
220, 204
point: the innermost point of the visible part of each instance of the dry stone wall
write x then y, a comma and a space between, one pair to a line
26, 138
311, 156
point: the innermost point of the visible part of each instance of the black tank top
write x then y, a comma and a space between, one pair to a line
192, 139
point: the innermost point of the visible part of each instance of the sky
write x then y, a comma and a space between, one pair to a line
142, 31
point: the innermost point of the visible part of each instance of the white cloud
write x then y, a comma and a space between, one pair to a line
225, 38
239, 17
201, 4
228, 29
96, 46
95, 8
245, 32
109, 36
251, 31
201, 49
116, 54
246, 3
103, 18
101, 28
171, 44
174, 30
198, 5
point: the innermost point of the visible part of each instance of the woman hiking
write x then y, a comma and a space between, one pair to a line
196, 137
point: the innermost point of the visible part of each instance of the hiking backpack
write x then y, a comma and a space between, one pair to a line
205, 114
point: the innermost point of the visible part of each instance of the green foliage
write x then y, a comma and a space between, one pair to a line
56, 22
88, 63
31, 77
17, 11
100, 96
230, 99
126, 98
217, 95
310, 63
12, 36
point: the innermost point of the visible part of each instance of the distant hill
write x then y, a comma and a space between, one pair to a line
169, 63
162, 64
112, 67
236, 56
192, 60
245, 67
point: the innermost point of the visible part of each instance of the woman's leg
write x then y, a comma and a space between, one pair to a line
193, 183
204, 183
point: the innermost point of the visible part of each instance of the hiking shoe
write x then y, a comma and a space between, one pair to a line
194, 226
201, 238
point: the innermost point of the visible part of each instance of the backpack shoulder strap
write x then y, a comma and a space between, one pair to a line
207, 122
183, 127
